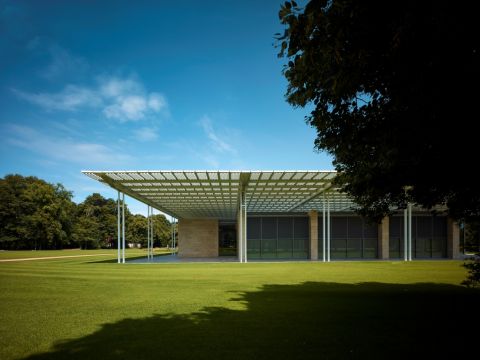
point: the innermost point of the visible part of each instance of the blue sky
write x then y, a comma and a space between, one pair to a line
116, 85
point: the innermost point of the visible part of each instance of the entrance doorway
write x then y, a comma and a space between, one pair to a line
227, 240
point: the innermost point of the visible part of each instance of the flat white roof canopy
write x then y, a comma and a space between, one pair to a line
215, 194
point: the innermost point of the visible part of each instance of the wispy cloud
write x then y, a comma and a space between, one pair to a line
113, 87
216, 150
71, 98
215, 138
87, 153
120, 99
146, 134
68, 127
63, 63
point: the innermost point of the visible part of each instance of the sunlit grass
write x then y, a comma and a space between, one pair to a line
60, 308
24, 254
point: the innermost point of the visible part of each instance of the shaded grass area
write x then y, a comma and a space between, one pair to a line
79, 309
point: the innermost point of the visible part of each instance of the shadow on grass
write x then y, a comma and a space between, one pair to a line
111, 261
306, 321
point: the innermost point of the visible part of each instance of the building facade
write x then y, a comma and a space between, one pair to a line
280, 215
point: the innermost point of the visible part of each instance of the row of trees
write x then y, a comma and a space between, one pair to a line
35, 214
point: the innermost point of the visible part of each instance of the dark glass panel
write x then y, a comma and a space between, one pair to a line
339, 227
300, 248
396, 246
269, 228
338, 248
370, 248
253, 248
439, 239
269, 248
354, 247
355, 227
254, 229
301, 228
422, 236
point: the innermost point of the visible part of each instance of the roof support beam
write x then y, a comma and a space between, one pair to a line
116, 185
311, 197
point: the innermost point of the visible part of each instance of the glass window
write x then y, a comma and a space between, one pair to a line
396, 245
301, 228
422, 236
285, 238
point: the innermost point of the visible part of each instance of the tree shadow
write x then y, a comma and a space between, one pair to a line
312, 320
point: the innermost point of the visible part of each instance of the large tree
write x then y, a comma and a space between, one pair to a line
137, 226
34, 214
393, 87
96, 222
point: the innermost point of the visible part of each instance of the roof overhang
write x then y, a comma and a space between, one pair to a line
215, 194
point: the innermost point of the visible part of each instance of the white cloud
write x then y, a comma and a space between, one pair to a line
127, 108
146, 134
117, 98
128, 100
71, 98
113, 87
156, 101
218, 144
86, 153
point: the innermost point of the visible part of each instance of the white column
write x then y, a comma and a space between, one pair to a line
151, 228
405, 235
240, 231
123, 228
118, 227
148, 232
324, 230
328, 228
244, 227
409, 232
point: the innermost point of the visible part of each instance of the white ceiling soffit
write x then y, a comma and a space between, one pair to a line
214, 194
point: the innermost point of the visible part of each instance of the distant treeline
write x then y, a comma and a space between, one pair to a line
35, 214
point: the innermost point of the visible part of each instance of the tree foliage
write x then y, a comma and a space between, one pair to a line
37, 215
473, 273
472, 237
393, 85
96, 224
34, 214
138, 230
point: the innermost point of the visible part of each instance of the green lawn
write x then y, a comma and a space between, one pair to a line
75, 252
91, 308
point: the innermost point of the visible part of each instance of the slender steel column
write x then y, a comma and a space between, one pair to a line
405, 235
151, 229
245, 226
174, 239
123, 228
328, 228
118, 227
323, 229
409, 232
148, 232
151, 234
240, 232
